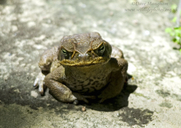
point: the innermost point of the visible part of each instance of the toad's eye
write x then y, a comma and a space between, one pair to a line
65, 54
64, 51
100, 50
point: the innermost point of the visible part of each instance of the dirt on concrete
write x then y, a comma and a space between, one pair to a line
152, 97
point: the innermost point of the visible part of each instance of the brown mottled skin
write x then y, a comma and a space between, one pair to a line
83, 67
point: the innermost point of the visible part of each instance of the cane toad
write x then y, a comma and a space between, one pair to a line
82, 67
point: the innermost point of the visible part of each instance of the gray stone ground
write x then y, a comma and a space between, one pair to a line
27, 28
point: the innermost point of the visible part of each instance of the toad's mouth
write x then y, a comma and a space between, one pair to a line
87, 62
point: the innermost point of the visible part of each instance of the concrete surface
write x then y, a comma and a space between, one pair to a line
152, 98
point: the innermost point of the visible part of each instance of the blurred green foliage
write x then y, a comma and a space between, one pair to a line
175, 33
174, 8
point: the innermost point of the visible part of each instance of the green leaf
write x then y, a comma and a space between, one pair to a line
168, 30
174, 19
174, 8
177, 28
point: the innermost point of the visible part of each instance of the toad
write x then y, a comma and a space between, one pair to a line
82, 67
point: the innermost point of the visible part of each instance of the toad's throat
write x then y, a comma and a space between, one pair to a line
77, 63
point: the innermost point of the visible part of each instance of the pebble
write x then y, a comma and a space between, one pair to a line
83, 108
34, 94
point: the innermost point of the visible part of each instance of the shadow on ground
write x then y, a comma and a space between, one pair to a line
2, 2
115, 103
118, 102
19, 85
17, 88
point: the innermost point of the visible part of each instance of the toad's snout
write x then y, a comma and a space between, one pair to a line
83, 57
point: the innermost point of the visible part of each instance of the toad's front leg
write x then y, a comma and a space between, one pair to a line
59, 90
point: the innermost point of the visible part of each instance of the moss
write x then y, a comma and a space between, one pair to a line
166, 104
141, 95
163, 93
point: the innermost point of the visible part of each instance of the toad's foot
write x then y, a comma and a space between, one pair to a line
82, 98
39, 83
